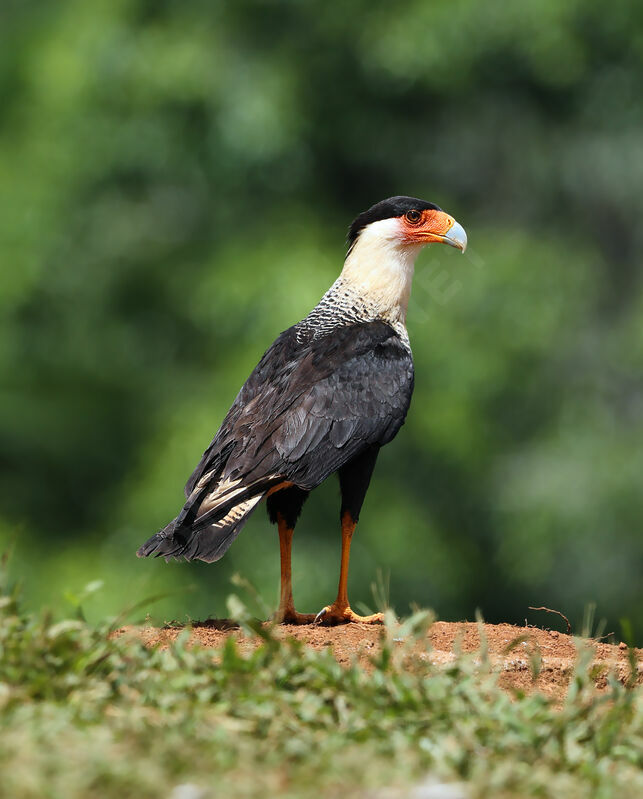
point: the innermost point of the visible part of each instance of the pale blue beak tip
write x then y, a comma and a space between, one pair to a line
456, 237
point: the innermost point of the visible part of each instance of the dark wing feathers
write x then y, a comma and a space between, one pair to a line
318, 406
306, 410
259, 393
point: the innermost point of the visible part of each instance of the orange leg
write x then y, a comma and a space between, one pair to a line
286, 614
340, 611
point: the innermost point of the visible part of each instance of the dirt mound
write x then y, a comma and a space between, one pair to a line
512, 650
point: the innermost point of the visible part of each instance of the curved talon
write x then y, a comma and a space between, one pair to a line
320, 615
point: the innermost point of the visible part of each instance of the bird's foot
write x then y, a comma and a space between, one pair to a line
343, 614
290, 616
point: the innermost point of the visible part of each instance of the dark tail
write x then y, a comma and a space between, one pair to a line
207, 543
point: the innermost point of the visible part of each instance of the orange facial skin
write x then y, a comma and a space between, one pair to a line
431, 227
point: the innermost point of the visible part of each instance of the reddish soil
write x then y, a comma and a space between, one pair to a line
556, 651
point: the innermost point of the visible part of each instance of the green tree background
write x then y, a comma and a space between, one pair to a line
176, 179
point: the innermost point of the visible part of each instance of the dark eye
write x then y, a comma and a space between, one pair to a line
413, 217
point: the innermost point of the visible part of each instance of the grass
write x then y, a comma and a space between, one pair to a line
86, 715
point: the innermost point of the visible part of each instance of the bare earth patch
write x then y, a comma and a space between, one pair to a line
556, 652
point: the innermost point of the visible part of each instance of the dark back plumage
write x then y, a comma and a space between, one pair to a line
307, 409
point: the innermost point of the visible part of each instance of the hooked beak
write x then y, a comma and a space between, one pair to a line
456, 237
436, 227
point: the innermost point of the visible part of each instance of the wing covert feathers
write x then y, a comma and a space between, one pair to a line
307, 409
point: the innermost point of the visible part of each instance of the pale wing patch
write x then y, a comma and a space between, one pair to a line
225, 490
237, 513
203, 480
228, 490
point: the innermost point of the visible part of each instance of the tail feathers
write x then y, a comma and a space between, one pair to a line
200, 512
206, 543
157, 543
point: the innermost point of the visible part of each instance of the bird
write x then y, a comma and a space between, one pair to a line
325, 397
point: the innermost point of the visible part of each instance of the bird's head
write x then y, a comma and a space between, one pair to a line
407, 221
383, 244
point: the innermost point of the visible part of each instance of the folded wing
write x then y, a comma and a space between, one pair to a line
306, 410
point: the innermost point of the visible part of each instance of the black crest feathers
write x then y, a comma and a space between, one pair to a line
386, 209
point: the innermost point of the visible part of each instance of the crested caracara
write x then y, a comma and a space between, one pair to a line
326, 395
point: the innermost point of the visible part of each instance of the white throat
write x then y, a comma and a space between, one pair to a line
379, 268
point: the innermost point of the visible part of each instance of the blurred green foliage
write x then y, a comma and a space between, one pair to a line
86, 714
175, 182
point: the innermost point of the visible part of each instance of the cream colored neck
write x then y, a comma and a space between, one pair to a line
379, 269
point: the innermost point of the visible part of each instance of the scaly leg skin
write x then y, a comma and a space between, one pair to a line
286, 614
335, 614
340, 611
